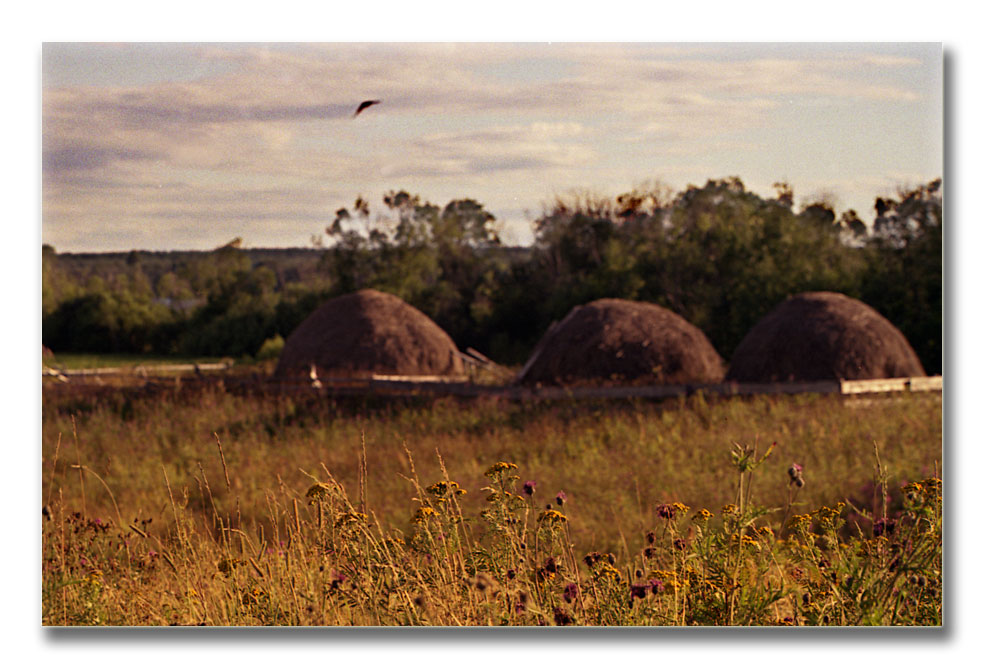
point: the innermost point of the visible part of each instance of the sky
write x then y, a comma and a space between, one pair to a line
162, 146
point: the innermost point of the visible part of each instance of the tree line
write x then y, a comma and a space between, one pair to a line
719, 255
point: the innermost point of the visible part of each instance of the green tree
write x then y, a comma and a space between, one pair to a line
904, 276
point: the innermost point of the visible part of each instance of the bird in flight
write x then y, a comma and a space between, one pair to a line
363, 105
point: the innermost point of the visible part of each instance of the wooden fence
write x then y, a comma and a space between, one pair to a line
162, 375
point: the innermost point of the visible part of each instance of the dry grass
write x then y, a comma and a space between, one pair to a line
153, 524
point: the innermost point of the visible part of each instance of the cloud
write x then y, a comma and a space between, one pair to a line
89, 157
270, 127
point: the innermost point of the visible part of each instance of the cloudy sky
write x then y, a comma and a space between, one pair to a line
186, 146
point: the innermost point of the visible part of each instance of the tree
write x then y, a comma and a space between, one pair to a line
904, 278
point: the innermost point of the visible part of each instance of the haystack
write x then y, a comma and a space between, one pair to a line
365, 333
823, 336
615, 342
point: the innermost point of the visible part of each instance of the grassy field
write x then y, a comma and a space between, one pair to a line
73, 361
204, 507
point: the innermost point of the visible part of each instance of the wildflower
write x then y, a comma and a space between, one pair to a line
638, 590
913, 492
570, 592
560, 498
729, 510
562, 617
423, 514
681, 508
827, 515
440, 488
665, 511
529, 487
651, 537
350, 518
702, 516
795, 471
499, 467
553, 516
318, 491
608, 571
800, 522
656, 585
883, 526
591, 558
680, 544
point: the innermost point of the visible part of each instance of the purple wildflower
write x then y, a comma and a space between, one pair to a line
656, 585
638, 590
561, 498
570, 592
529, 487
883, 526
665, 511
562, 617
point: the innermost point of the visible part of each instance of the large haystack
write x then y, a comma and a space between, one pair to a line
369, 332
615, 341
823, 336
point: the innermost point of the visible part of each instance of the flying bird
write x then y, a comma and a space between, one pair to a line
363, 105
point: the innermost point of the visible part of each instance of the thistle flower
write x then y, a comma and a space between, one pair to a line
529, 487
665, 511
570, 592
883, 526
562, 617
638, 590
560, 498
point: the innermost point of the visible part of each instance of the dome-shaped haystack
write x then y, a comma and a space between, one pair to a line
823, 336
369, 332
614, 341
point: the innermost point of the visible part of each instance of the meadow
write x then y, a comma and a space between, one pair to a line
205, 507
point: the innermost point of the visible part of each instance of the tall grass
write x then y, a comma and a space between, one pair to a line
225, 510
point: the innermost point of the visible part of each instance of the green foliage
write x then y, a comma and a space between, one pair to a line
718, 255
904, 278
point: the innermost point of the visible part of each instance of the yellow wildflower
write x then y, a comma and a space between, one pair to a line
318, 491
606, 570
552, 516
350, 518
729, 510
499, 467
423, 513
702, 516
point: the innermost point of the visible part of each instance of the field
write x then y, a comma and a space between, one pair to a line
204, 507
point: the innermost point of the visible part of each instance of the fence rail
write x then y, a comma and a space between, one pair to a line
463, 386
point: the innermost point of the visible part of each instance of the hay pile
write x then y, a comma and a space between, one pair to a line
616, 342
368, 332
823, 336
